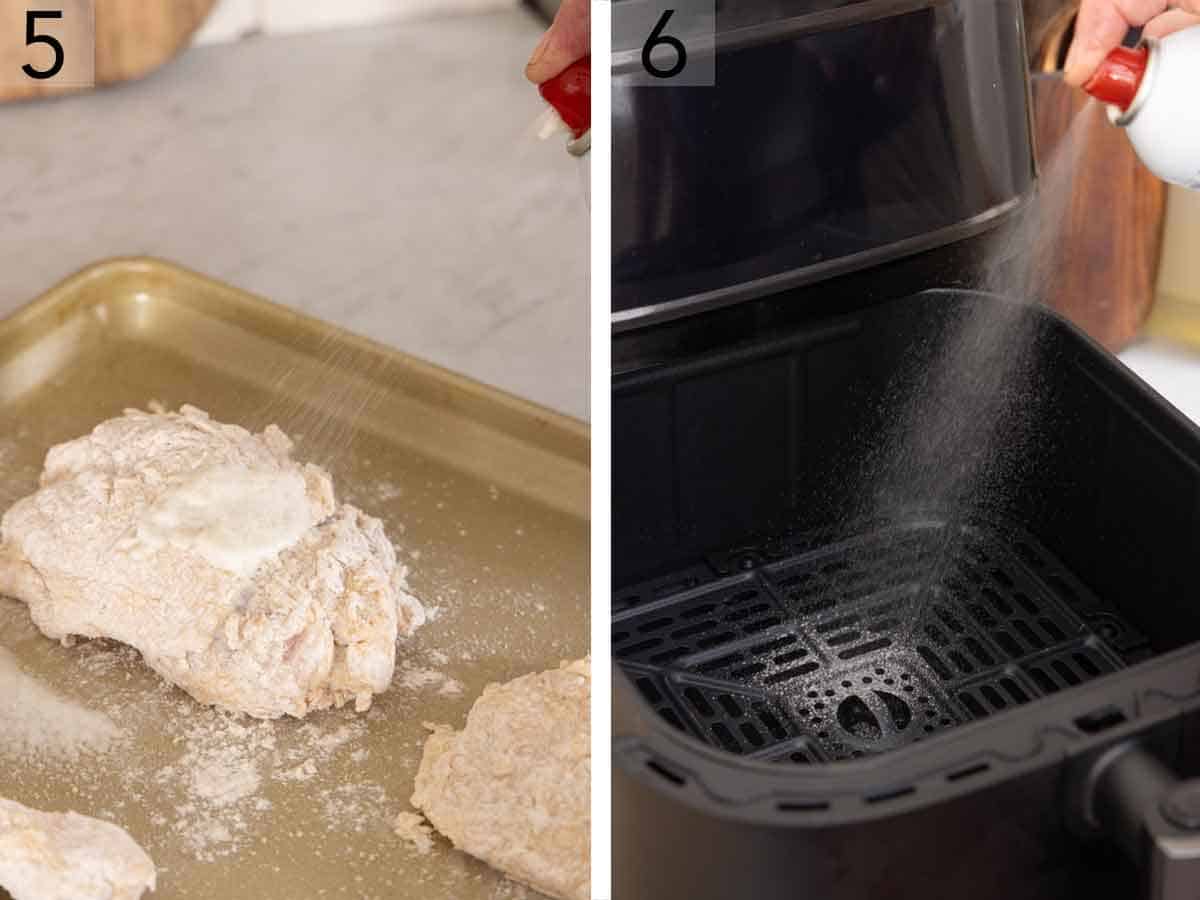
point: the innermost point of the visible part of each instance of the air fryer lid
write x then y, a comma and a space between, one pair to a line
837, 136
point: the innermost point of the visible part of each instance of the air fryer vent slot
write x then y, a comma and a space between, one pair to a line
804, 650
739, 722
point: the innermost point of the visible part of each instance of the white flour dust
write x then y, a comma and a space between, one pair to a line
229, 763
416, 678
37, 721
219, 774
354, 807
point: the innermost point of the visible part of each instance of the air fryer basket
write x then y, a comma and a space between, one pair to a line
803, 684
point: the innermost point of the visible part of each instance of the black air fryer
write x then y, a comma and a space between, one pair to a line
904, 571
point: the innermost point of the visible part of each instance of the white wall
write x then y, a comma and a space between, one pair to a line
232, 19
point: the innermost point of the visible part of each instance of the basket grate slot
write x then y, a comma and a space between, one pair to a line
843, 637
761, 625
722, 662
668, 656
672, 717
715, 640
649, 691
655, 624
791, 656
748, 671
1014, 690
773, 725
699, 703
1027, 553
740, 723
658, 588
864, 649
935, 663
692, 630
726, 738
1063, 589
786, 641
1026, 603
752, 734
654, 691
985, 698
643, 646
1032, 639
790, 674
696, 624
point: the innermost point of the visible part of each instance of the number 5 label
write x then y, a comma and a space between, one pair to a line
664, 43
46, 46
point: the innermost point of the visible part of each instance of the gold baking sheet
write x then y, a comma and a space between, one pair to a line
485, 497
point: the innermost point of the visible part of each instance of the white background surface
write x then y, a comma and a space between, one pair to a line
1173, 372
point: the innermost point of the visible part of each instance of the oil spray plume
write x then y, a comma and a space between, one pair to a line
961, 414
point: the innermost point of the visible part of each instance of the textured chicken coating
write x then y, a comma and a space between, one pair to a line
227, 564
514, 786
66, 856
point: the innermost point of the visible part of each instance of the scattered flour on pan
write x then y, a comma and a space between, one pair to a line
412, 828
302, 772
388, 490
315, 748
219, 774
416, 678
354, 807
35, 721
229, 761
323, 744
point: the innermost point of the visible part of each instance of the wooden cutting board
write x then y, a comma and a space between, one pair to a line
133, 38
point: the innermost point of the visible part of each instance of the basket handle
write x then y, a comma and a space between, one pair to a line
1131, 795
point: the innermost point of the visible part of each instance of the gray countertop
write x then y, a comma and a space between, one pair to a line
386, 179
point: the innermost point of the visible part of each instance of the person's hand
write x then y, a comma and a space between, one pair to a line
569, 38
1102, 24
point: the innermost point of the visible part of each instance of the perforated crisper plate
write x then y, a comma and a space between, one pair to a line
816, 652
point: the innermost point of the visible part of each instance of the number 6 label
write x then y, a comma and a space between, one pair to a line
46, 47
658, 39
664, 43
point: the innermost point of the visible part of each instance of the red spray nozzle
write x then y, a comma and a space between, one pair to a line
1119, 76
570, 93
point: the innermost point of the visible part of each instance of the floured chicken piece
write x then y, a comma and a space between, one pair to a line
66, 856
514, 786
226, 563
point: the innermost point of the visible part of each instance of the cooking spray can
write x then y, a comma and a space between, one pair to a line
1152, 92
570, 93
